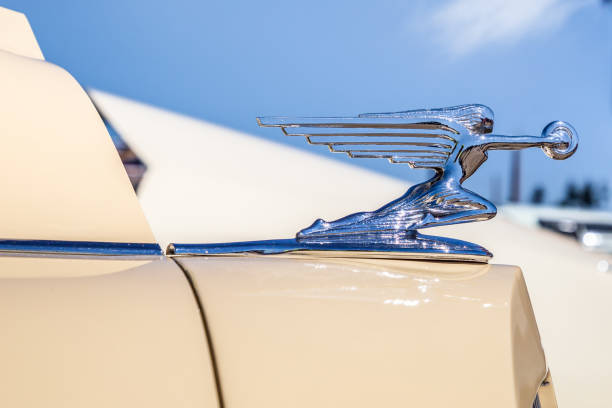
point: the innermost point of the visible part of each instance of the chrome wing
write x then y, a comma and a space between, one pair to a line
418, 142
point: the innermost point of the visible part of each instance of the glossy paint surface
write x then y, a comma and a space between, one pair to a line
16, 35
100, 332
302, 332
63, 179
571, 300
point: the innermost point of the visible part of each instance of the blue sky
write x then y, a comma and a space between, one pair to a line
532, 61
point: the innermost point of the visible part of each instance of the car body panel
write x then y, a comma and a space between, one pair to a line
305, 332
101, 332
63, 178
16, 35
571, 299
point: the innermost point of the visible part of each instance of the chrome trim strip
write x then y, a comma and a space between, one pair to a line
456, 251
78, 247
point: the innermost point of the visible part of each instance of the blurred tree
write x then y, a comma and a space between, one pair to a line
587, 196
571, 196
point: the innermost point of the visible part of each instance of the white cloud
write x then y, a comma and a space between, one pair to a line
463, 26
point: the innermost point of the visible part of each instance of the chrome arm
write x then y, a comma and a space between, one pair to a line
559, 140
502, 142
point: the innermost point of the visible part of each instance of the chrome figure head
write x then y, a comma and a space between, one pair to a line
453, 142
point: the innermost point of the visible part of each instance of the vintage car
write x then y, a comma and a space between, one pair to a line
359, 312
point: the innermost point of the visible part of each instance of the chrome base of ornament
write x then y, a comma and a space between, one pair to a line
416, 246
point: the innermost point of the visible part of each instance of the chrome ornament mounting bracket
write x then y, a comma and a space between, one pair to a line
453, 142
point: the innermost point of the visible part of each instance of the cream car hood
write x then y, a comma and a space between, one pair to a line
306, 332
100, 332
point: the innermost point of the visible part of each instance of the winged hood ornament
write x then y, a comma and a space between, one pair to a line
453, 142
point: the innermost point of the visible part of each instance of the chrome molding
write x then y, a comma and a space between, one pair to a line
425, 247
78, 247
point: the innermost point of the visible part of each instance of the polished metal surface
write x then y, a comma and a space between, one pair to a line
78, 247
453, 142
424, 247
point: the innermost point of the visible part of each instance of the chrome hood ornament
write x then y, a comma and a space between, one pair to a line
453, 142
